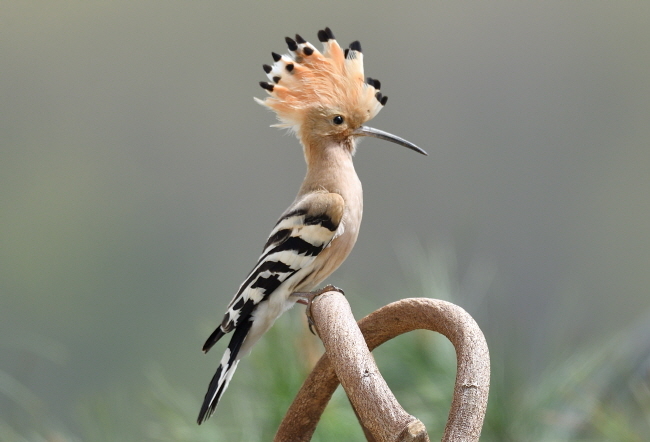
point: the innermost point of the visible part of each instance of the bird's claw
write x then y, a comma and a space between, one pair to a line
306, 298
311, 323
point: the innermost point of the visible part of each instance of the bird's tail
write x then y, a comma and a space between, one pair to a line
224, 373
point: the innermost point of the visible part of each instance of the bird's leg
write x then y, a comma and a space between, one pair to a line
306, 298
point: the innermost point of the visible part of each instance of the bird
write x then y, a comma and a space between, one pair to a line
324, 99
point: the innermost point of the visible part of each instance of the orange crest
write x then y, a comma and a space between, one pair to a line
307, 79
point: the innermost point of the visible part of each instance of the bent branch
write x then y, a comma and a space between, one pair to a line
376, 406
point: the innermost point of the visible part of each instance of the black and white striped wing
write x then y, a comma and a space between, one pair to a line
296, 240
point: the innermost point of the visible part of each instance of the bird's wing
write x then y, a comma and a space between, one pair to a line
301, 233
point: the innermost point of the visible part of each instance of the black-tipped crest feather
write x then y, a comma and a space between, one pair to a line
291, 43
327, 79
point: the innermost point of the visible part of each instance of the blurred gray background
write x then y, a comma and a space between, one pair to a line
139, 179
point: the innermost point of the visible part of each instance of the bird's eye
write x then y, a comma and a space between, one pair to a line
337, 120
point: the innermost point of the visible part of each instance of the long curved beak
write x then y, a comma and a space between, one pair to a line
365, 131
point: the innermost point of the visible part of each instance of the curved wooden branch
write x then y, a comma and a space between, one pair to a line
472, 377
374, 402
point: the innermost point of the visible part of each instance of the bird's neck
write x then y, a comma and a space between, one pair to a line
330, 168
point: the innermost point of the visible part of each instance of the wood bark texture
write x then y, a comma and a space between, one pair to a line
347, 357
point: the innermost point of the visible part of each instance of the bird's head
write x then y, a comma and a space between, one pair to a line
323, 96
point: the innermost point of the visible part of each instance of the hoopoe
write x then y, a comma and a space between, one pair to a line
325, 100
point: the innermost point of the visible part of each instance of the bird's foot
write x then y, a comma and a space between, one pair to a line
306, 298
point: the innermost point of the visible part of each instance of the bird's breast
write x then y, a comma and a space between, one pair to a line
338, 250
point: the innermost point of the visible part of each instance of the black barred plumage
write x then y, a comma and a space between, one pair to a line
325, 98
224, 372
297, 239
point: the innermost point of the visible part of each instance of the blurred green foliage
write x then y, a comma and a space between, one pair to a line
595, 394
